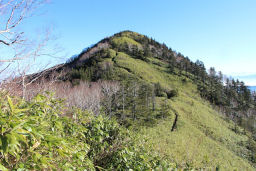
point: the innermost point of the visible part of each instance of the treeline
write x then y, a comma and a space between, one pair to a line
232, 96
138, 101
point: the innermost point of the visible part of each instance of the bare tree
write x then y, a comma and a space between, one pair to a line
109, 90
15, 44
153, 98
31, 60
135, 89
13, 13
21, 52
123, 101
84, 95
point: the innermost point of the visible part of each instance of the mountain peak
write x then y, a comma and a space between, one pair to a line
125, 41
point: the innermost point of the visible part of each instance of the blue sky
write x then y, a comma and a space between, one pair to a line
220, 33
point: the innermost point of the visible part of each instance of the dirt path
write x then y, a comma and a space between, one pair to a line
174, 125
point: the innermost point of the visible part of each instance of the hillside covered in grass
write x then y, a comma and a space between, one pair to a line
174, 109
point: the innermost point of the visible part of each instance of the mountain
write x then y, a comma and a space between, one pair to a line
178, 111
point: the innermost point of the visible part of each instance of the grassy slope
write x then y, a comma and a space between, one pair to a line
120, 41
202, 137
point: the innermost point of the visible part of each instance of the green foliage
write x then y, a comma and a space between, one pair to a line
81, 74
132, 159
34, 135
99, 66
251, 145
121, 42
172, 93
37, 135
159, 91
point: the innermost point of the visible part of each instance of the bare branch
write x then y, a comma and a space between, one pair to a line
13, 12
5, 68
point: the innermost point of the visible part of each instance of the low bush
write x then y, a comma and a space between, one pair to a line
38, 135
172, 93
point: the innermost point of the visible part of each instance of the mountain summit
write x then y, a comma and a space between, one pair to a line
130, 43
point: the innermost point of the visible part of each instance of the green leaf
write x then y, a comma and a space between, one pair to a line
4, 144
18, 126
36, 156
2, 168
20, 110
10, 104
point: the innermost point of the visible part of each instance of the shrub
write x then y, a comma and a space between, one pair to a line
159, 90
184, 80
37, 135
172, 93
